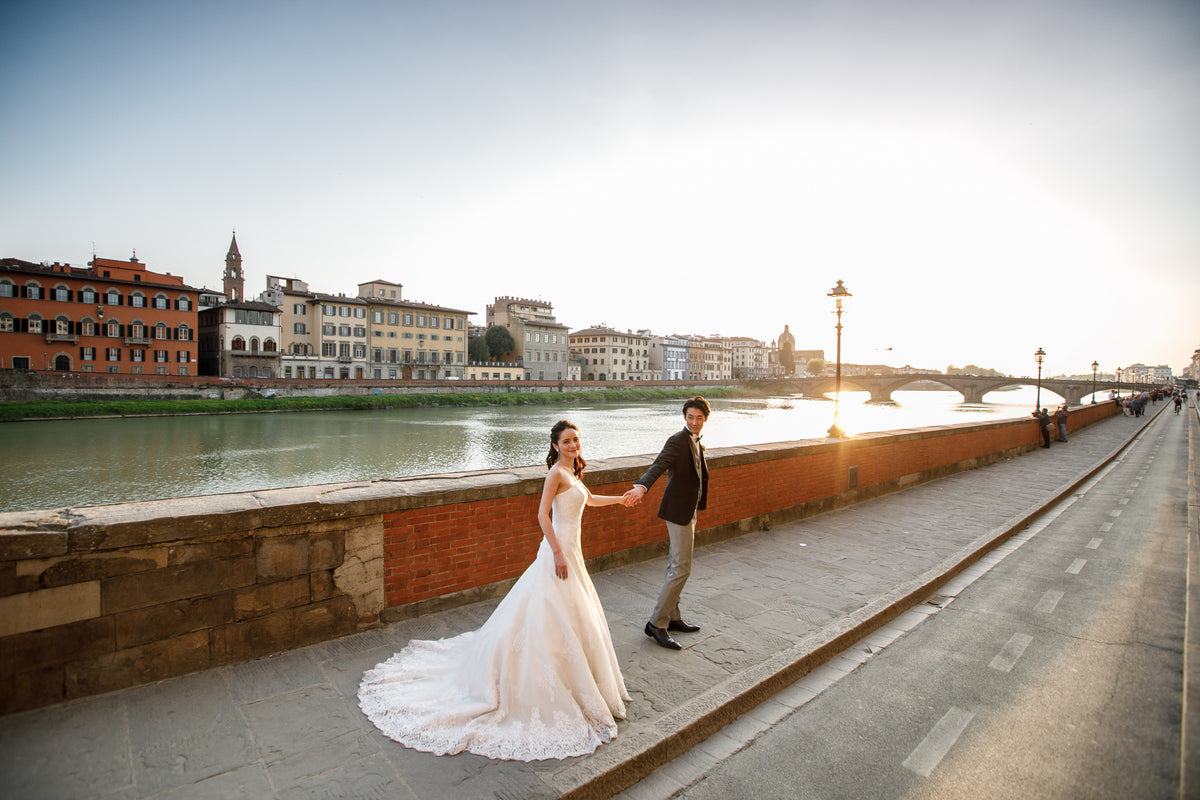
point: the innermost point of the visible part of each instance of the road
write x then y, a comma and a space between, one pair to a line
1056, 673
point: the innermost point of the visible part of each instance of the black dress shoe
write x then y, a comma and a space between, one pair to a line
661, 636
681, 626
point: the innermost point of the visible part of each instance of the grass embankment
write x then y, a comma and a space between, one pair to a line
58, 409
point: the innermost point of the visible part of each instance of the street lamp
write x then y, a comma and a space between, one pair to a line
1095, 366
838, 293
1040, 355
1118, 383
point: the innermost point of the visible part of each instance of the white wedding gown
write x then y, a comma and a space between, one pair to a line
539, 680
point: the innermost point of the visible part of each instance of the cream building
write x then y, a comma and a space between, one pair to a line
610, 355
543, 344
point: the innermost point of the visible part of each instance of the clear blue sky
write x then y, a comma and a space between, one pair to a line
986, 177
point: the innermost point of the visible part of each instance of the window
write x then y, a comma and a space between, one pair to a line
329, 311
137, 355
7, 289
62, 294
329, 330
299, 328
377, 318
137, 331
183, 304
360, 351
6, 322
183, 333
35, 324
112, 297
269, 346
112, 354
87, 353
33, 291
343, 330
344, 311
160, 356
183, 356
408, 318
448, 323
393, 318
420, 320
360, 313
238, 343
360, 332
137, 300
300, 309
328, 349
112, 328
160, 331
434, 320
88, 295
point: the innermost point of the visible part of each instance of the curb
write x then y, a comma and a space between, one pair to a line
631, 758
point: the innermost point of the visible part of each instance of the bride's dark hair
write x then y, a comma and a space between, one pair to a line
552, 457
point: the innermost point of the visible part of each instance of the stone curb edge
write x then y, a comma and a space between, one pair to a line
632, 758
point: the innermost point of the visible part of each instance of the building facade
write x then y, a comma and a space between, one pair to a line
543, 343
668, 357
605, 354
748, 358
410, 340
240, 340
115, 317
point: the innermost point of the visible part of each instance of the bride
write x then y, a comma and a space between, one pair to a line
540, 679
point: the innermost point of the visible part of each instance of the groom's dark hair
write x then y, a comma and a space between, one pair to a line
697, 402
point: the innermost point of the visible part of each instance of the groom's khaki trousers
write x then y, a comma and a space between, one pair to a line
679, 566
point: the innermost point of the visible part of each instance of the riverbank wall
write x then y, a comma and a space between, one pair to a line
99, 598
26, 386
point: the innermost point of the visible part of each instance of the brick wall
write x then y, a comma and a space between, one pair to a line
104, 597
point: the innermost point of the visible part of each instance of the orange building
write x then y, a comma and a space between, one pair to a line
112, 317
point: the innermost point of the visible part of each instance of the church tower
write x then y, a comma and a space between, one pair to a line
235, 279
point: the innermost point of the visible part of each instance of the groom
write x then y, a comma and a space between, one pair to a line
682, 458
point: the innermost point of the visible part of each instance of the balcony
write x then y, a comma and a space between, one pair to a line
143, 340
344, 359
61, 337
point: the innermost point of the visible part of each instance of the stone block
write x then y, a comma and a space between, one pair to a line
321, 585
365, 538
92, 567
132, 666
326, 550
127, 592
241, 544
47, 608
155, 623
319, 621
264, 598
254, 637
282, 556
18, 545
51, 647
33, 689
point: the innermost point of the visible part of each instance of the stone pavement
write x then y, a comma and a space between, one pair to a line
773, 605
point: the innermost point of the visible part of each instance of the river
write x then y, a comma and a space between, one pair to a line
52, 464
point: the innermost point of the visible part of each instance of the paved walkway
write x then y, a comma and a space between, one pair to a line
773, 605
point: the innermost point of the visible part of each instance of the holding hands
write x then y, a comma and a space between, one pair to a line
633, 496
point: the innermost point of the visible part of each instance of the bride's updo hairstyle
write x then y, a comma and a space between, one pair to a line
552, 456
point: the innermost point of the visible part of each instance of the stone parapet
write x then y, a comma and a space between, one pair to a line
99, 598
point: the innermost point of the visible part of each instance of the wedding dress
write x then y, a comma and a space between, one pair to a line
539, 680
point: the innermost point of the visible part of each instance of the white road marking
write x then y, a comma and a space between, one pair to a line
1076, 566
1008, 657
1049, 602
1094, 544
937, 743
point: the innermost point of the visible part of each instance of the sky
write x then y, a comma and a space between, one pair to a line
987, 178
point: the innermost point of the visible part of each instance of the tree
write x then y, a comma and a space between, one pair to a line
815, 366
477, 349
499, 342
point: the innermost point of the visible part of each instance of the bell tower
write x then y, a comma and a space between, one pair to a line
235, 279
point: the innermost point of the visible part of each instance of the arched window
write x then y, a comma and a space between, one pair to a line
112, 297
6, 322
183, 303
137, 300
61, 293
269, 346
62, 325
62, 363
88, 295
34, 321
8, 289
254, 346
112, 328
160, 301
183, 333
160, 330
137, 329
238, 343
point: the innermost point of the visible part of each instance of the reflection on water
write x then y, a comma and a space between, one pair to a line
84, 462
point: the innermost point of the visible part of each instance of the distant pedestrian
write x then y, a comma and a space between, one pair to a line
1178, 403
1061, 419
1044, 422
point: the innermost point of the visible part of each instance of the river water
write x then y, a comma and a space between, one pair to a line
52, 464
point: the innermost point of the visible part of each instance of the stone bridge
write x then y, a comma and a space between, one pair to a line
971, 387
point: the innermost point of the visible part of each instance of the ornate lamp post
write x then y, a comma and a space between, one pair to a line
1118, 383
1040, 355
1095, 366
837, 293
